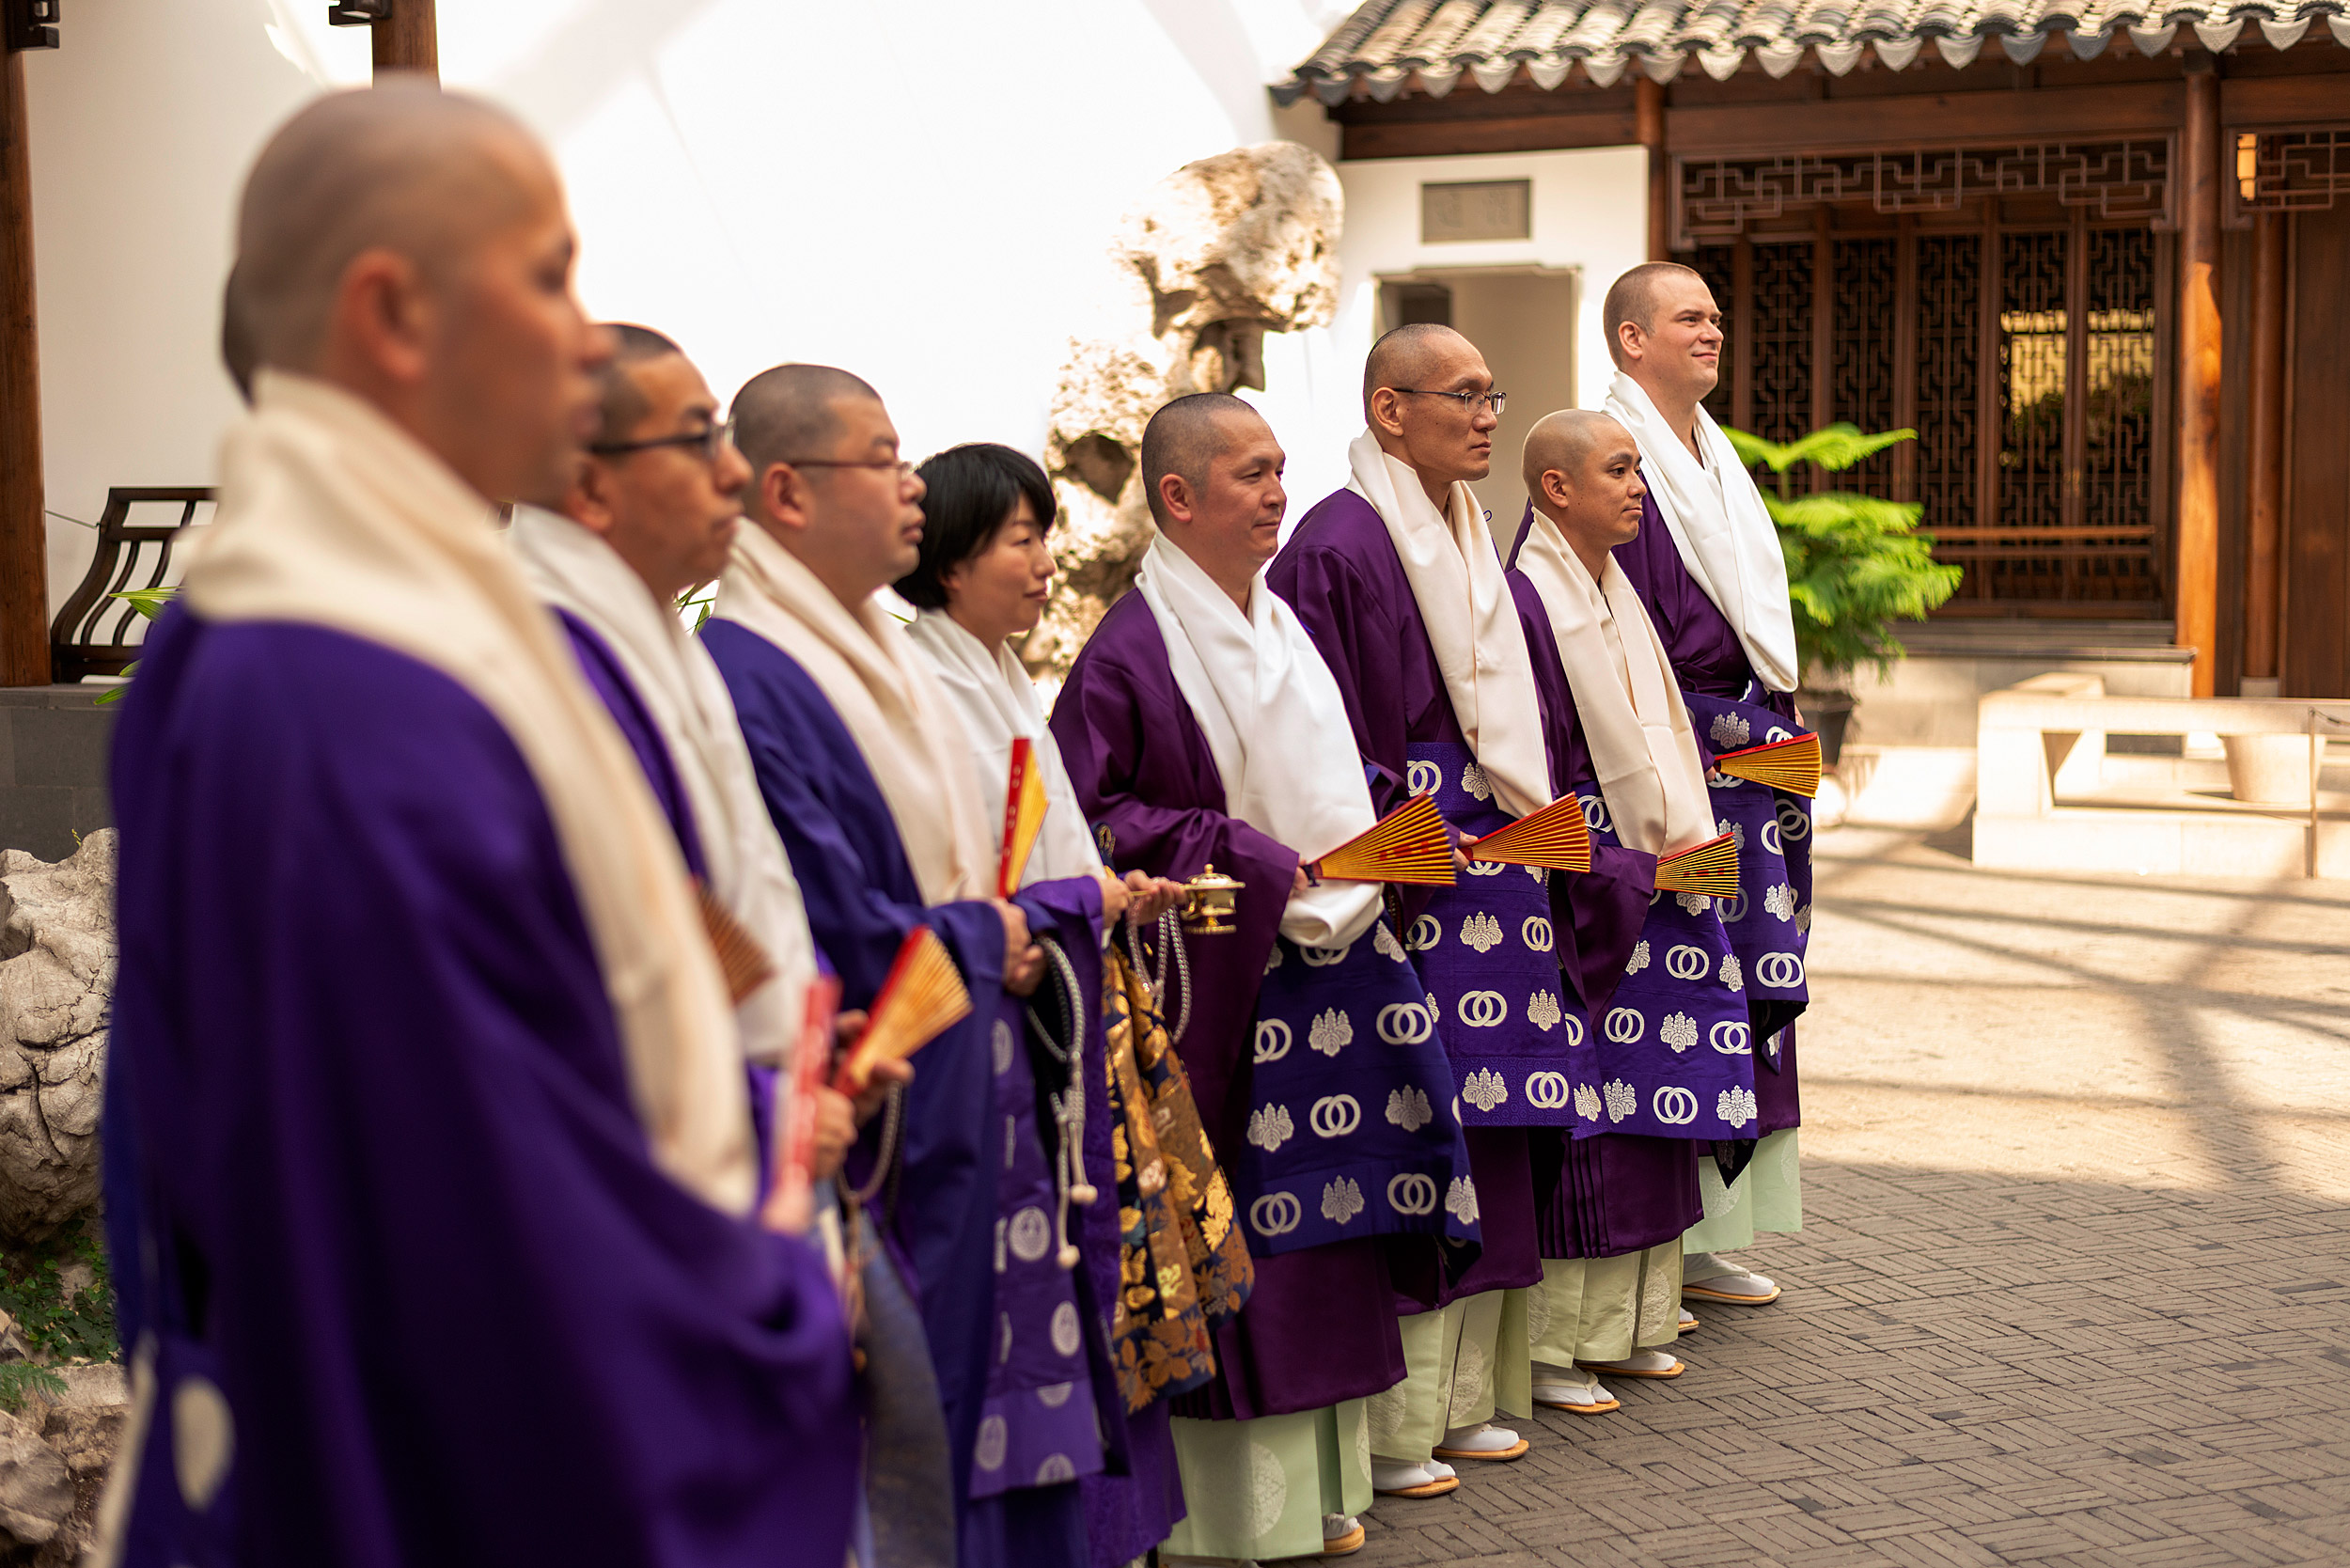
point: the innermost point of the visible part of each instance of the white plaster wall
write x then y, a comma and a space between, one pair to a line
920, 191
1589, 211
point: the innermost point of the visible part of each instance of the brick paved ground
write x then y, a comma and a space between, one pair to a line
2074, 1285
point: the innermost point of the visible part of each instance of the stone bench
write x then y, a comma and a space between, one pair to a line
2044, 742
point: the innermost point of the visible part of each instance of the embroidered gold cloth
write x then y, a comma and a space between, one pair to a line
1184, 1264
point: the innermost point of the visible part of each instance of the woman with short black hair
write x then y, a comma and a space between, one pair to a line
983, 578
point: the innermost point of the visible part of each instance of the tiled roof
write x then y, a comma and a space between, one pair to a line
1434, 44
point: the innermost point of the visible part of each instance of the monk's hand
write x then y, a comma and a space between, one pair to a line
1148, 897
1460, 842
835, 1129
885, 1077
1115, 901
1298, 883
1024, 961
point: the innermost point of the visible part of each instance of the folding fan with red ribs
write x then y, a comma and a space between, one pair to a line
1710, 867
1408, 844
921, 999
1023, 816
1556, 838
1792, 764
790, 1206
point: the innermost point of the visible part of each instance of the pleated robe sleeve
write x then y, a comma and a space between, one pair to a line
375, 1172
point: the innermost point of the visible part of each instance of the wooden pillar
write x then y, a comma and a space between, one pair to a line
1742, 314
402, 32
407, 39
1648, 120
23, 524
1905, 355
1990, 396
1823, 334
2197, 176
2265, 465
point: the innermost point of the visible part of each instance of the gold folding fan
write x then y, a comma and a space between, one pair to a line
1711, 867
741, 960
1555, 836
922, 998
1023, 816
1792, 764
1409, 844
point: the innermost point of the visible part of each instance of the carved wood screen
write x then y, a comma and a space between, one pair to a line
2021, 344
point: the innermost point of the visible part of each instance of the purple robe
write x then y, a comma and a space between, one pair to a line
361, 1058
1319, 1326
951, 1203
1710, 664
1340, 571
608, 679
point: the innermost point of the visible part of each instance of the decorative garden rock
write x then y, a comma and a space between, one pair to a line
57, 982
1220, 253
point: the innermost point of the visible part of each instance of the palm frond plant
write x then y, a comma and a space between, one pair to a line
1854, 563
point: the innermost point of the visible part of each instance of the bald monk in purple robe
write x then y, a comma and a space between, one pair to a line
381, 851
1708, 568
1450, 701
1204, 729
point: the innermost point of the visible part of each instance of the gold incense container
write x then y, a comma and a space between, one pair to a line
1208, 899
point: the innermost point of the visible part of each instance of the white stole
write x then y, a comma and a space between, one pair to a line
1275, 724
1719, 525
330, 515
1625, 696
1464, 597
750, 872
884, 691
996, 701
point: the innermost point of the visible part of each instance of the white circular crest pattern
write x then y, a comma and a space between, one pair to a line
1674, 1106
1031, 1233
1483, 1009
1334, 1116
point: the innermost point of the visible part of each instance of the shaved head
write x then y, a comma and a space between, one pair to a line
1183, 437
1565, 441
1583, 472
411, 248
623, 401
1406, 356
406, 169
794, 412
1635, 296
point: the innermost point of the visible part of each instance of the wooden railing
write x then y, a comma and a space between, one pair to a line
93, 635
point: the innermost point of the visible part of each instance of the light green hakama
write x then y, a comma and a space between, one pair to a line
1258, 1489
1604, 1308
1462, 1364
1767, 1196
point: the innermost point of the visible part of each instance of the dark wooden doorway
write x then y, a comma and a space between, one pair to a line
2021, 338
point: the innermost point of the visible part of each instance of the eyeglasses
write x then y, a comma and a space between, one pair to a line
1467, 400
905, 470
709, 443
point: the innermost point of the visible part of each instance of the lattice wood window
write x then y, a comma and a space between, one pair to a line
2027, 371
1718, 198
2290, 171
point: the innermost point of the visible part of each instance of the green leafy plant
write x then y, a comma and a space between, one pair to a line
1854, 563
20, 1380
149, 602
59, 1326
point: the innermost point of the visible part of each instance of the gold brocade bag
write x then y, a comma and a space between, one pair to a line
1184, 1264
